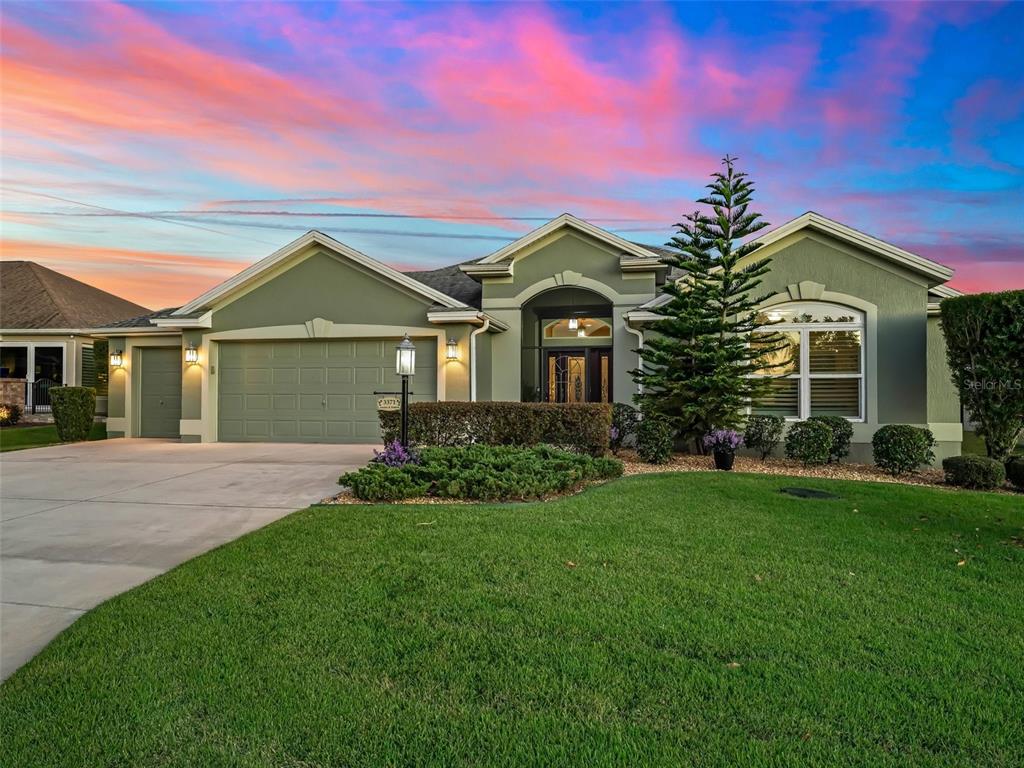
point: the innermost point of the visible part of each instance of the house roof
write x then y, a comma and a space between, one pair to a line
451, 281
34, 297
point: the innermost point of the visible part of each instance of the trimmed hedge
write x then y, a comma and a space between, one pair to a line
1015, 473
654, 440
763, 433
625, 420
842, 434
10, 414
481, 473
978, 472
581, 427
73, 412
809, 442
901, 448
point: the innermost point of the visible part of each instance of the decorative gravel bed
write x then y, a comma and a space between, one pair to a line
843, 471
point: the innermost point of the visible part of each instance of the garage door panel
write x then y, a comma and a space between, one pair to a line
313, 391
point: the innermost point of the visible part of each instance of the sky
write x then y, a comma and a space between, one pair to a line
155, 149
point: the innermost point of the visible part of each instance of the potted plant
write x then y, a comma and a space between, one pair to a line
723, 444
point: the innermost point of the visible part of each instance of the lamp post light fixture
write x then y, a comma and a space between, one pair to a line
191, 354
405, 366
452, 353
116, 360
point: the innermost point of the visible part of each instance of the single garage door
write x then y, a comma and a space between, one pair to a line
312, 391
160, 396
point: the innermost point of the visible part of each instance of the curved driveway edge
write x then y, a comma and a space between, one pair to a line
81, 523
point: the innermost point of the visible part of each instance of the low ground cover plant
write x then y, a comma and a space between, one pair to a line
10, 414
977, 472
902, 448
73, 411
763, 433
842, 434
809, 442
582, 427
481, 473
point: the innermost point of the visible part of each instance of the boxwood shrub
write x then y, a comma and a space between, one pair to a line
654, 440
809, 442
978, 472
582, 427
73, 412
763, 433
481, 473
1015, 473
901, 448
842, 434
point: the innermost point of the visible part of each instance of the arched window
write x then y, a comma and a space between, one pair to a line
577, 328
823, 372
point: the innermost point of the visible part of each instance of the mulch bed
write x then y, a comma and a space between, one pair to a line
934, 478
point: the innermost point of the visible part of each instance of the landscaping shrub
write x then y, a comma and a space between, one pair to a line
625, 420
582, 427
395, 455
654, 440
900, 448
10, 414
73, 412
481, 472
809, 442
979, 472
1015, 473
763, 434
984, 335
842, 434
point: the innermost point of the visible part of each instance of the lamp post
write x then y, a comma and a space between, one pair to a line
405, 366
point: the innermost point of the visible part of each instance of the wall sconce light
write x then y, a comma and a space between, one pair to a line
191, 354
116, 361
574, 323
581, 333
453, 351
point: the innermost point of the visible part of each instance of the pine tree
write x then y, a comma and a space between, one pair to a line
697, 365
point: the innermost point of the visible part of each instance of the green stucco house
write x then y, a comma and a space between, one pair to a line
294, 348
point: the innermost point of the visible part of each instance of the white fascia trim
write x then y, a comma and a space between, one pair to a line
106, 333
488, 270
639, 316
871, 244
313, 237
933, 308
203, 321
945, 291
469, 316
646, 264
565, 220
49, 331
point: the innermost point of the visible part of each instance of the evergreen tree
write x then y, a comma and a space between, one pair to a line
697, 363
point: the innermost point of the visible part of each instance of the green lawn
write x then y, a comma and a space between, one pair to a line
976, 445
688, 619
17, 438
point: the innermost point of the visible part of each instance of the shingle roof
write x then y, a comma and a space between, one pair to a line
32, 296
453, 282
142, 321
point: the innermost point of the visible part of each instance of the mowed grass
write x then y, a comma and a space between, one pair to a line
19, 438
687, 619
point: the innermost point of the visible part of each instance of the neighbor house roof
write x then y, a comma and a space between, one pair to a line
33, 297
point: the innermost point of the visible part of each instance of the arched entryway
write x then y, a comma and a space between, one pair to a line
567, 347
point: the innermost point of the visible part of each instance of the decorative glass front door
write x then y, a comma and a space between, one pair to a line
578, 376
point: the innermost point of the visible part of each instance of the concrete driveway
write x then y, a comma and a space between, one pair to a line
81, 523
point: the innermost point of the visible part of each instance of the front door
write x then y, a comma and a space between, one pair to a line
578, 376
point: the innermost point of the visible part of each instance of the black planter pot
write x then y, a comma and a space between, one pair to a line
724, 460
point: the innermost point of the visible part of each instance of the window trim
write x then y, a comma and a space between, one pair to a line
804, 374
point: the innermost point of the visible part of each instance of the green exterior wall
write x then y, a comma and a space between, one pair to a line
943, 399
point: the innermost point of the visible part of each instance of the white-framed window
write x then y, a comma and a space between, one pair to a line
823, 370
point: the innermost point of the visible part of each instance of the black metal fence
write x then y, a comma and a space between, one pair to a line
39, 394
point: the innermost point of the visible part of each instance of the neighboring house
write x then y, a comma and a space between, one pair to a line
297, 346
45, 337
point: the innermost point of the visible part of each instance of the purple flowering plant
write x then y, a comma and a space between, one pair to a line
395, 455
725, 440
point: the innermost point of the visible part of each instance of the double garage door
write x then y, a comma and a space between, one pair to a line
312, 391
